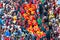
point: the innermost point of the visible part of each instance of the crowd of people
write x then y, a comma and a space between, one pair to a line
29, 20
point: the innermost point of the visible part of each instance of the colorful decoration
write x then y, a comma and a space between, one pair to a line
33, 25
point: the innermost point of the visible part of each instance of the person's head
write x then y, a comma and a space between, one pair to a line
45, 25
38, 16
14, 13
39, 2
47, 28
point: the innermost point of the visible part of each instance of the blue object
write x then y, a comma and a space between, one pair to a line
1, 21
1, 11
7, 33
15, 33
